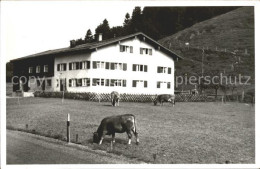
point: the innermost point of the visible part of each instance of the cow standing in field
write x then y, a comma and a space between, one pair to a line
115, 97
165, 98
116, 124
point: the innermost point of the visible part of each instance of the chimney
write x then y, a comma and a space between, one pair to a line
100, 37
72, 43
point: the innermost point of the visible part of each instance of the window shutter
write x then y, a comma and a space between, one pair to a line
112, 66
88, 64
145, 68
141, 50
169, 85
141, 67
107, 65
65, 66
150, 51
58, 67
158, 69
70, 66
88, 81
131, 49
121, 48
94, 64
124, 66
134, 83
80, 65
94, 82
69, 82
77, 65
107, 82
145, 83
158, 84
112, 82
169, 70
124, 83
134, 67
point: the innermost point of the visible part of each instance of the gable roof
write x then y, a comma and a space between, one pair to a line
95, 45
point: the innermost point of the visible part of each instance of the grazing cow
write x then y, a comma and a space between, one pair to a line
115, 96
165, 98
116, 124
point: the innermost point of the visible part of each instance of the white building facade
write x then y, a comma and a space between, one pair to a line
133, 64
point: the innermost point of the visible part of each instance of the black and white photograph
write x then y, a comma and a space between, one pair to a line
128, 83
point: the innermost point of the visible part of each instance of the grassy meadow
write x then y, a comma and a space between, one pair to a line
187, 133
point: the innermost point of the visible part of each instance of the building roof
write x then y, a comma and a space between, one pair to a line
95, 45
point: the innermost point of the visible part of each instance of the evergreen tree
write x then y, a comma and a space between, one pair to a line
89, 36
127, 19
104, 29
136, 21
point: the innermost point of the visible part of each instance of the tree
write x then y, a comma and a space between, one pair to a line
136, 22
104, 29
127, 20
89, 37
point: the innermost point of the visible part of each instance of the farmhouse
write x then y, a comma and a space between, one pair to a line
133, 64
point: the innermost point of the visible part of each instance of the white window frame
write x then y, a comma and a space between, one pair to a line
163, 85
73, 66
126, 49
146, 51
73, 82
38, 69
45, 68
30, 69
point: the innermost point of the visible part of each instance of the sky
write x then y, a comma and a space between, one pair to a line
29, 27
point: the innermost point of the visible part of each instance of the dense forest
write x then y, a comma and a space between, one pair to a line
156, 22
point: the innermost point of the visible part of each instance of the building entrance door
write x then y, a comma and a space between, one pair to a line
62, 85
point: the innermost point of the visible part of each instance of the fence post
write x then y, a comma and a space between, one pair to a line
242, 96
77, 138
68, 129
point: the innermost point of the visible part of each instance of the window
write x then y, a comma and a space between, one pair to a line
62, 67
98, 65
75, 65
38, 69
118, 66
140, 83
86, 82
140, 68
45, 68
111, 66
30, 69
49, 82
118, 82
145, 51
163, 85
72, 82
85, 65
124, 48
161, 69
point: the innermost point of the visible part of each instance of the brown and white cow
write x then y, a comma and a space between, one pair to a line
165, 98
115, 97
116, 124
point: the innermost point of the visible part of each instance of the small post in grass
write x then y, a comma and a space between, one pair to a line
62, 100
18, 100
68, 128
77, 138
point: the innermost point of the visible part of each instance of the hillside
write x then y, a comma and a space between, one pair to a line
231, 31
228, 42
